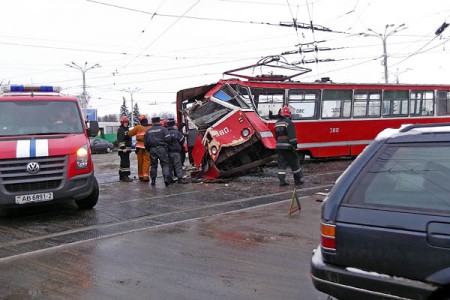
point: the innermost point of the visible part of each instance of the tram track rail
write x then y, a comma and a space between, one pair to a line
22, 246
123, 211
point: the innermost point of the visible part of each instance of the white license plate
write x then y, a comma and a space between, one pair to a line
23, 199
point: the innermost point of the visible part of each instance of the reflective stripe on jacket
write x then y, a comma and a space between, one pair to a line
285, 134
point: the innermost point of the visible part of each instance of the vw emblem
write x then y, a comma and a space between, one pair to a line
33, 167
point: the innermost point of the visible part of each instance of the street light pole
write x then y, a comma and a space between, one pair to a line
131, 92
383, 37
83, 70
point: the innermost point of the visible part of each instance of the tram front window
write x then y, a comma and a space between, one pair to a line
205, 114
229, 95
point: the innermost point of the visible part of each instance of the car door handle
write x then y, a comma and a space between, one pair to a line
438, 234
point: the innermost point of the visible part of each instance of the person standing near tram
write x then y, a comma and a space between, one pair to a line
143, 157
174, 148
286, 138
124, 142
156, 141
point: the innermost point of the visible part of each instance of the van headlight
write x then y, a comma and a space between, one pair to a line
82, 157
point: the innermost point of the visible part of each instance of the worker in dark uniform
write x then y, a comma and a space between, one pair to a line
156, 141
124, 142
286, 147
175, 145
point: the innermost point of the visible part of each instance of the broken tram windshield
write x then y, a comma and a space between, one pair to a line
206, 112
230, 96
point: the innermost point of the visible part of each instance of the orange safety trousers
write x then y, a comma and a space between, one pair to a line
143, 160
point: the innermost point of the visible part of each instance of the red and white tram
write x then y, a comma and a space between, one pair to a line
236, 117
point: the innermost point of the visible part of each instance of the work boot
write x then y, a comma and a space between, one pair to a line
299, 182
283, 183
141, 178
126, 179
166, 181
153, 181
182, 181
145, 179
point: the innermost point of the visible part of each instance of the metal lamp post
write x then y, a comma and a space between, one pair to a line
383, 36
83, 70
131, 92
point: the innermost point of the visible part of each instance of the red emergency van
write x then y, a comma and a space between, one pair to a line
44, 148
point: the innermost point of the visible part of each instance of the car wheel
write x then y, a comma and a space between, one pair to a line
108, 150
91, 200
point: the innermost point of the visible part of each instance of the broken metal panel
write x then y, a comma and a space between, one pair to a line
198, 152
262, 130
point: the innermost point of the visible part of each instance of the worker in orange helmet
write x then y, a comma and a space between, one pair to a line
286, 147
124, 142
143, 156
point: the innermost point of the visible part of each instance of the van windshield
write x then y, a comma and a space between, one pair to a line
39, 117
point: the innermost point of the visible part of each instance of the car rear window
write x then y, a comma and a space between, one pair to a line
405, 177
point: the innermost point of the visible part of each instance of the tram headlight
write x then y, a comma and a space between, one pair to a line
245, 132
213, 150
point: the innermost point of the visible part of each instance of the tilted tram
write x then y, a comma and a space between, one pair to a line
236, 118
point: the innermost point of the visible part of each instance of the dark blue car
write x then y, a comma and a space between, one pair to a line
385, 225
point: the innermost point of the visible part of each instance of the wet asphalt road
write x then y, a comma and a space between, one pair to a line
228, 240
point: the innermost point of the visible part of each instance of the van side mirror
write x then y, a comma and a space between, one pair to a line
93, 128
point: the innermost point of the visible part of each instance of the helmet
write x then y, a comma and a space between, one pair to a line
123, 120
285, 111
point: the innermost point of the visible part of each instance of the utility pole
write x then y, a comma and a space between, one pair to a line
397, 74
131, 92
383, 36
83, 70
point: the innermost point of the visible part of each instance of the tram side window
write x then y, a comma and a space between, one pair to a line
443, 103
304, 103
421, 103
336, 104
395, 103
268, 101
367, 104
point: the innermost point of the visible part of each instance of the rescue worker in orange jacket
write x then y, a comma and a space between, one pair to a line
143, 156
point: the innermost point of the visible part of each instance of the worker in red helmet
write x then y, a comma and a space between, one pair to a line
124, 142
286, 138
143, 156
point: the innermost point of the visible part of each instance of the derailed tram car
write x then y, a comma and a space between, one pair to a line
232, 136
236, 118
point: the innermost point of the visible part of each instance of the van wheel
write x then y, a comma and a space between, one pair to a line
91, 200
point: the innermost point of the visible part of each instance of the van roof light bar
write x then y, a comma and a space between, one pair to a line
31, 89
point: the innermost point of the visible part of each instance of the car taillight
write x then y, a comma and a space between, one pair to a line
328, 236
